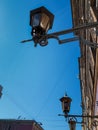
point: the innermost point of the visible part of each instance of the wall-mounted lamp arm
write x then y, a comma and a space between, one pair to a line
28, 40
78, 116
89, 43
43, 40
78, 28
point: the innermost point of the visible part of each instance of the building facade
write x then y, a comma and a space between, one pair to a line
86, 11
8, 124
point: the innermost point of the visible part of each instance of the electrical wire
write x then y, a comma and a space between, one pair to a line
17, 104
46, 101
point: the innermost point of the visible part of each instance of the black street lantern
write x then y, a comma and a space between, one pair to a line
72, 119
41, 21
66, 102
72, 124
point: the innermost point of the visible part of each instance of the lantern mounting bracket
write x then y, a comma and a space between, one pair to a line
78, 116
73, 118
43, 40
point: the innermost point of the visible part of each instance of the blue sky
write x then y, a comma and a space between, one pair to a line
34, 79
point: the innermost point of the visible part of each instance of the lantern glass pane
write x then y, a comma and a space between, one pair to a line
44, 21
66, 104
66, 107
36, 20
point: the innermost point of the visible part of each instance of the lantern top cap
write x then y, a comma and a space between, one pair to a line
65, 97
42, 9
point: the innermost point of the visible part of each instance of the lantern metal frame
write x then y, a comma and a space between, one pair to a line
41, 20
66, 102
